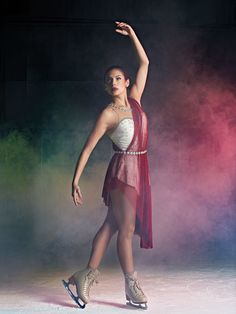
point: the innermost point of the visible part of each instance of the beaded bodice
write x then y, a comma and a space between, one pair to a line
123, 133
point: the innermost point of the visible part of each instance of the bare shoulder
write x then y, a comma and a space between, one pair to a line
108, 116
104, 111
108, 112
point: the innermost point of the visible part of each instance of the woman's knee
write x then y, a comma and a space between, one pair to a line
127, 230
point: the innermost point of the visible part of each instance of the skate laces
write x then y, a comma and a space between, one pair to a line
134, 283
138, 288
90, 278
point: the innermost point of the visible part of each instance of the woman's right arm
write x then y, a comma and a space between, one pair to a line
101, 126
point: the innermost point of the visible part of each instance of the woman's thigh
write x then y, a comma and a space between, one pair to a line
124, 203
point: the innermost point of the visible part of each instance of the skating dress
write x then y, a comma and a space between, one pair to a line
129, 166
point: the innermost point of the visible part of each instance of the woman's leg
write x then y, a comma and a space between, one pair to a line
124, 210
102, 239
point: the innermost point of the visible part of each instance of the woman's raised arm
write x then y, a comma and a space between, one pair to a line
141, 75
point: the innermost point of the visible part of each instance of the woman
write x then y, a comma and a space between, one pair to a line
126, 189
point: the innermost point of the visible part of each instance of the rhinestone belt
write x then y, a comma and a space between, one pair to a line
130, 152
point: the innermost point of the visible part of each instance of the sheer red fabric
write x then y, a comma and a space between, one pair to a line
133, 170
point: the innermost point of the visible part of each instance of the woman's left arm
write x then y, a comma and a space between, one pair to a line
141, 76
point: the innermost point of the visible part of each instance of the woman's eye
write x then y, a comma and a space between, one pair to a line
108, 81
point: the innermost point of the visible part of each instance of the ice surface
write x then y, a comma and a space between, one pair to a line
201, 290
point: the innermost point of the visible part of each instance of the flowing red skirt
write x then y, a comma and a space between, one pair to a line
133, 170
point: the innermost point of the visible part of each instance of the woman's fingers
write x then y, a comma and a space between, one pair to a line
77, 196
125, 28
77, 200
119, 31
122, 24
79, 192
119, 22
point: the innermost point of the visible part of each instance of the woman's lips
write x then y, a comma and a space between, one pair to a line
114, 88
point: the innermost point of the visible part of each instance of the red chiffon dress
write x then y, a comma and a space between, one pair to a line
130, 167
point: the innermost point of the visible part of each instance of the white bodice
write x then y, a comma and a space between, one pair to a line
123, 133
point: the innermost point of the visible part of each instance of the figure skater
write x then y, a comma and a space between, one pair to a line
126, 190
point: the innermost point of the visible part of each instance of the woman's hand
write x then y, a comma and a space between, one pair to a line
76, 194
126, 29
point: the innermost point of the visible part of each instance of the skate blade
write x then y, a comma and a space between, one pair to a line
74, 297
142, 306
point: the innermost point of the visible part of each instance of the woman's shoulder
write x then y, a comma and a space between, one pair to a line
108, 106
108, 109
108, 116
108, 112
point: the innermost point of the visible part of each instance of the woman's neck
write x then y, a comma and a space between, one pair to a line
121, 101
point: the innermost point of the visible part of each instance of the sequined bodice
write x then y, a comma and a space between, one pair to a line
123, 133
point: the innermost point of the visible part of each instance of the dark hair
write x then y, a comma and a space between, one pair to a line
125, 73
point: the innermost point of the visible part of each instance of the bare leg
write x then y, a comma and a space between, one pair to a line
124, 212
102, 239
81, 279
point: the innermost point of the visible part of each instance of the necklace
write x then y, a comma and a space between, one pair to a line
122, 108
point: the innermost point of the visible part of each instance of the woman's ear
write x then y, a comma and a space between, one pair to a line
127, 82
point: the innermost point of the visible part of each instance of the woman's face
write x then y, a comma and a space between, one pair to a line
115, 83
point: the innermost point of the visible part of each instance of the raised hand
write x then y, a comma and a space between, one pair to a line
126, 29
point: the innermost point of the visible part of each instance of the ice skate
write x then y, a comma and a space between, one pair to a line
134, 293
83, 281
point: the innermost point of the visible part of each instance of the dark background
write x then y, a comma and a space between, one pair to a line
67, 45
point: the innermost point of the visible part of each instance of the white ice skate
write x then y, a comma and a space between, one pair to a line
83, 281
133, 292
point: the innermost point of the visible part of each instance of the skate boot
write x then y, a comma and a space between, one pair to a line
83, 280
134, 293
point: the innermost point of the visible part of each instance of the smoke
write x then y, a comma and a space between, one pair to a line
193, 166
